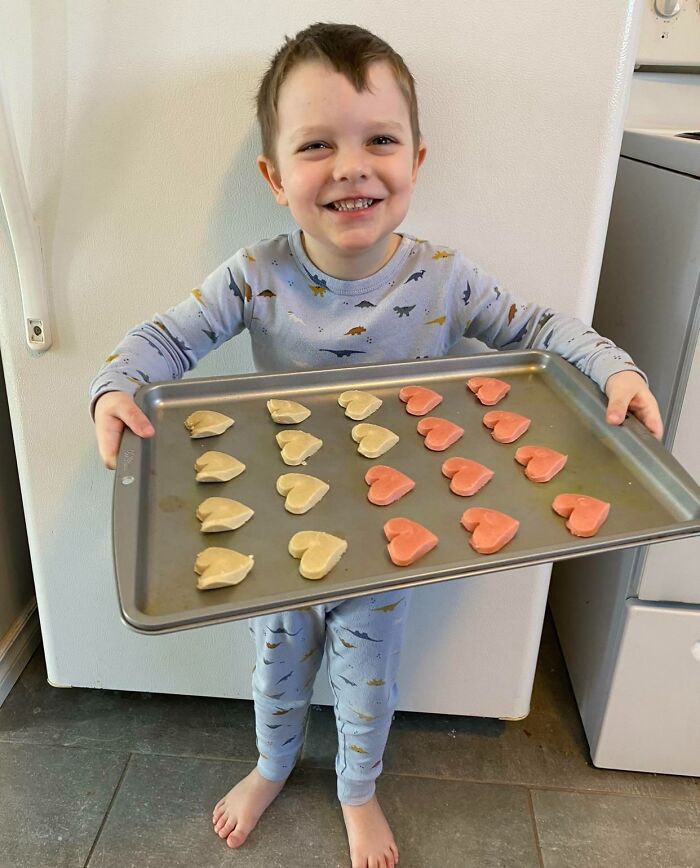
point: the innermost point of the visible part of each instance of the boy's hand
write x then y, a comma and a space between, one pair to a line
113, 411
626, 390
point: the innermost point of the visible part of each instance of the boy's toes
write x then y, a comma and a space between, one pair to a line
236, 838
226, 829
216, 816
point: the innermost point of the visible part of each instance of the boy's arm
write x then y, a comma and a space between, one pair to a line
503, 321
168, 345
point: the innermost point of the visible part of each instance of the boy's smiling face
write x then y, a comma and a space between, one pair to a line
335, 144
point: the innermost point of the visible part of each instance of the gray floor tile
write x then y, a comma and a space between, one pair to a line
161, 818
52, 801
588, 830
37, 713
547, 748
459, 825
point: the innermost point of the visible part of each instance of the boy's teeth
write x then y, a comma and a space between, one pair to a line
352, 204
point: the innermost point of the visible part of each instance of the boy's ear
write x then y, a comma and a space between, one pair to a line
272, 176
418, 162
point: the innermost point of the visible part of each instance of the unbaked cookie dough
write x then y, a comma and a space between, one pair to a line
319, 552
302, 491
217, 467
287, 412
297, 446
373, 439
219, 568
220, 513
359, 405
207, 423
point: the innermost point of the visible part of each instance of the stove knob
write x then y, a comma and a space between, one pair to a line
667, 8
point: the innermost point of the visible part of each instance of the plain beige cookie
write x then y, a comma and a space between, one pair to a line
287, 412
359, 405
207, 423
319, 552
302, 491
219, 568
220, 513
373, 439
297, 446
217, 467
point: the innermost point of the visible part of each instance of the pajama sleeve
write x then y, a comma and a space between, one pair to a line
170, 344
482, 309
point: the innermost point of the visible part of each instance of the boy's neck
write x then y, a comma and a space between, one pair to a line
353, 267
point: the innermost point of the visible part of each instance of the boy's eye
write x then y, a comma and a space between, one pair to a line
385, 140
313, 146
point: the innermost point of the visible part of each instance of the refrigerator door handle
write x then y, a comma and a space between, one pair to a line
24, 233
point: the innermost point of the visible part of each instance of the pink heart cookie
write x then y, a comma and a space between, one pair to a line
490, 529
439, 433
466, 476
541, 463
507, 427
585, 514
408, 541
419, 400
387, 485
488, 390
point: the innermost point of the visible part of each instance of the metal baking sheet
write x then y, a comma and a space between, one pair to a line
157, 536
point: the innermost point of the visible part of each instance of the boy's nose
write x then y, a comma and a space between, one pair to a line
351, 166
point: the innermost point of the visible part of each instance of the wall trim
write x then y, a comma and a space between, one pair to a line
17, 646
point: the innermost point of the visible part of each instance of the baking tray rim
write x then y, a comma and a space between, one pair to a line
289, 381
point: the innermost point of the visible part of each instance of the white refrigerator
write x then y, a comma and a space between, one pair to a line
135, 130
629, 621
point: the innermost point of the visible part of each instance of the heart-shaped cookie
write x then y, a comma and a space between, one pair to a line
319, 552
302, 491
507, 427
221, 513
488, 390
359, 405
287, 412
297, 446
408, 541
541, 463
387, 485
419, 400
585, 514
439, 433
220, 567
373, 439
217, 467
207, 423
466, 476
490, 530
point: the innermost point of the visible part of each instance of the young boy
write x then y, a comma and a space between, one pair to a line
341, 149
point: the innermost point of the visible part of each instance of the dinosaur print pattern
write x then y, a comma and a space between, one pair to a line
290, 307
363, 637
416, 276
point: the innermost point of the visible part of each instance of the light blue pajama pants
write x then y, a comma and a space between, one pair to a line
363, 638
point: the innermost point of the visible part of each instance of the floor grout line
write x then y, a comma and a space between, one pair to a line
309, 764
535, 832
109, 808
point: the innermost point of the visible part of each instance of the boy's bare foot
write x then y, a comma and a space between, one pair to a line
236, 815
372, 844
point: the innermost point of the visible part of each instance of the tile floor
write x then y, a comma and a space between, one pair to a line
106, 779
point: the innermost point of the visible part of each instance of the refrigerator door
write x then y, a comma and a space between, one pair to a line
138, 141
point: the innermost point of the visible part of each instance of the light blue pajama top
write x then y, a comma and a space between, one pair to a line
417, 306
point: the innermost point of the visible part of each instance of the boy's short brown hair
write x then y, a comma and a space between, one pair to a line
350, 50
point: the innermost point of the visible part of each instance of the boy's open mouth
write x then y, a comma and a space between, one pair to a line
352, 204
